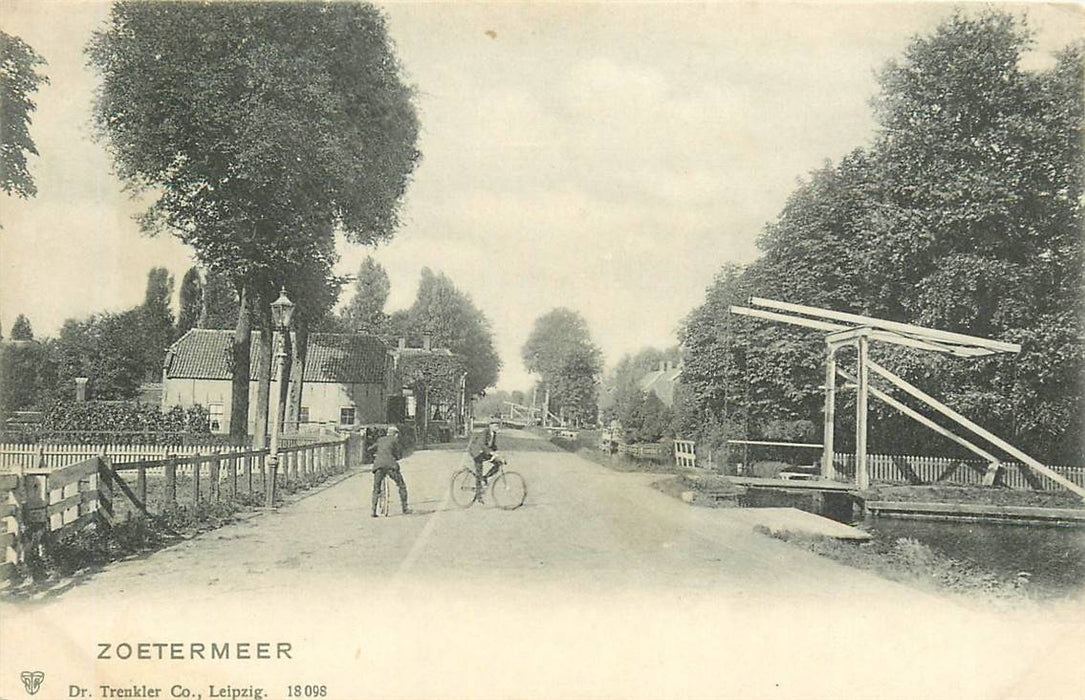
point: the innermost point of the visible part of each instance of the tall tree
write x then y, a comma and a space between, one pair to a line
27, 375
365, 311
316, 292
284, 122
398, 326
966, 214
157, 319
106, 348
560, 350
19, 79
453, 321
983, 167
219, 304
21, 330
191, 301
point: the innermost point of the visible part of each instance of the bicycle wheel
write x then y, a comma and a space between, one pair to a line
509, 490
463, 487
382, 497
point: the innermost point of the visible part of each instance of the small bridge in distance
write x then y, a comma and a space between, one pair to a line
517, 415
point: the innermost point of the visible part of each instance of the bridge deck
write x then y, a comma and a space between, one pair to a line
804, 484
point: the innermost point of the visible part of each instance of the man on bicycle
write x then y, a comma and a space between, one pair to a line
386, 455
483, 448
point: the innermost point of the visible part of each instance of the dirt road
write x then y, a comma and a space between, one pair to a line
599, 586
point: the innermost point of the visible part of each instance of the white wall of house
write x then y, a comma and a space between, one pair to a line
324, 400
213, 394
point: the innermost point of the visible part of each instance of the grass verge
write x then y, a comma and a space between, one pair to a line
983, 495
914, 563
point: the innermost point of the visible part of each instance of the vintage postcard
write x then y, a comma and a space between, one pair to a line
542, 350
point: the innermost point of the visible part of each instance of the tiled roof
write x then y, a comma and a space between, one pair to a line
344, 358
347, 357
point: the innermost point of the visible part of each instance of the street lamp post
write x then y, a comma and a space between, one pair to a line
282, 311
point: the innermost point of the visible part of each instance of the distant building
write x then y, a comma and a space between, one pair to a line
348, 378
662, 381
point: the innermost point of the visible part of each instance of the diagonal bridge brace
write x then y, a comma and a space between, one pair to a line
921, 419
966, 423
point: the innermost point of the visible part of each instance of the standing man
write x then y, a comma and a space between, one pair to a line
386, 456
483, 448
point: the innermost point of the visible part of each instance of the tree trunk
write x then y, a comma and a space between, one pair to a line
201, 321
299, 352
264, 361
239, 360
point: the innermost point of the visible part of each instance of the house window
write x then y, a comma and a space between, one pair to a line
214, 420
346, 416
303, 414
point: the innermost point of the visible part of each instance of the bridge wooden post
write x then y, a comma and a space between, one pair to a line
862, 476
827, 470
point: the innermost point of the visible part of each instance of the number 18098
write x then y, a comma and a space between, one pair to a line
307, 691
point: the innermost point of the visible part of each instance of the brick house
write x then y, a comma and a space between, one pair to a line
348, 378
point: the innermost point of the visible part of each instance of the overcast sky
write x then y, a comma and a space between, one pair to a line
607, 158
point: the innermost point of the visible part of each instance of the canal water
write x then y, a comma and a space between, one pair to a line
1054, 557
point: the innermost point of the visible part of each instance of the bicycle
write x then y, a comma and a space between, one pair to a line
382, 495
507, 489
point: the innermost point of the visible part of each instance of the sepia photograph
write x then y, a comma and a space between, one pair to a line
542, 350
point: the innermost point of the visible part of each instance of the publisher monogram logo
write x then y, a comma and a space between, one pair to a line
32, 680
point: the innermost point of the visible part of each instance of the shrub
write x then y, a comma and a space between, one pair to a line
643, 417
120, 422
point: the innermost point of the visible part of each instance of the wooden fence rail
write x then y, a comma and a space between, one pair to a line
11, 517
646, 450
685, 454
54, 500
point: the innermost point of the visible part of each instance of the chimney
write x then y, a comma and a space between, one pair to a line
402, 343
81, 388
426, 340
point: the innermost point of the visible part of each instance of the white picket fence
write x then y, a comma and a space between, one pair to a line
958, 472
14, 456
